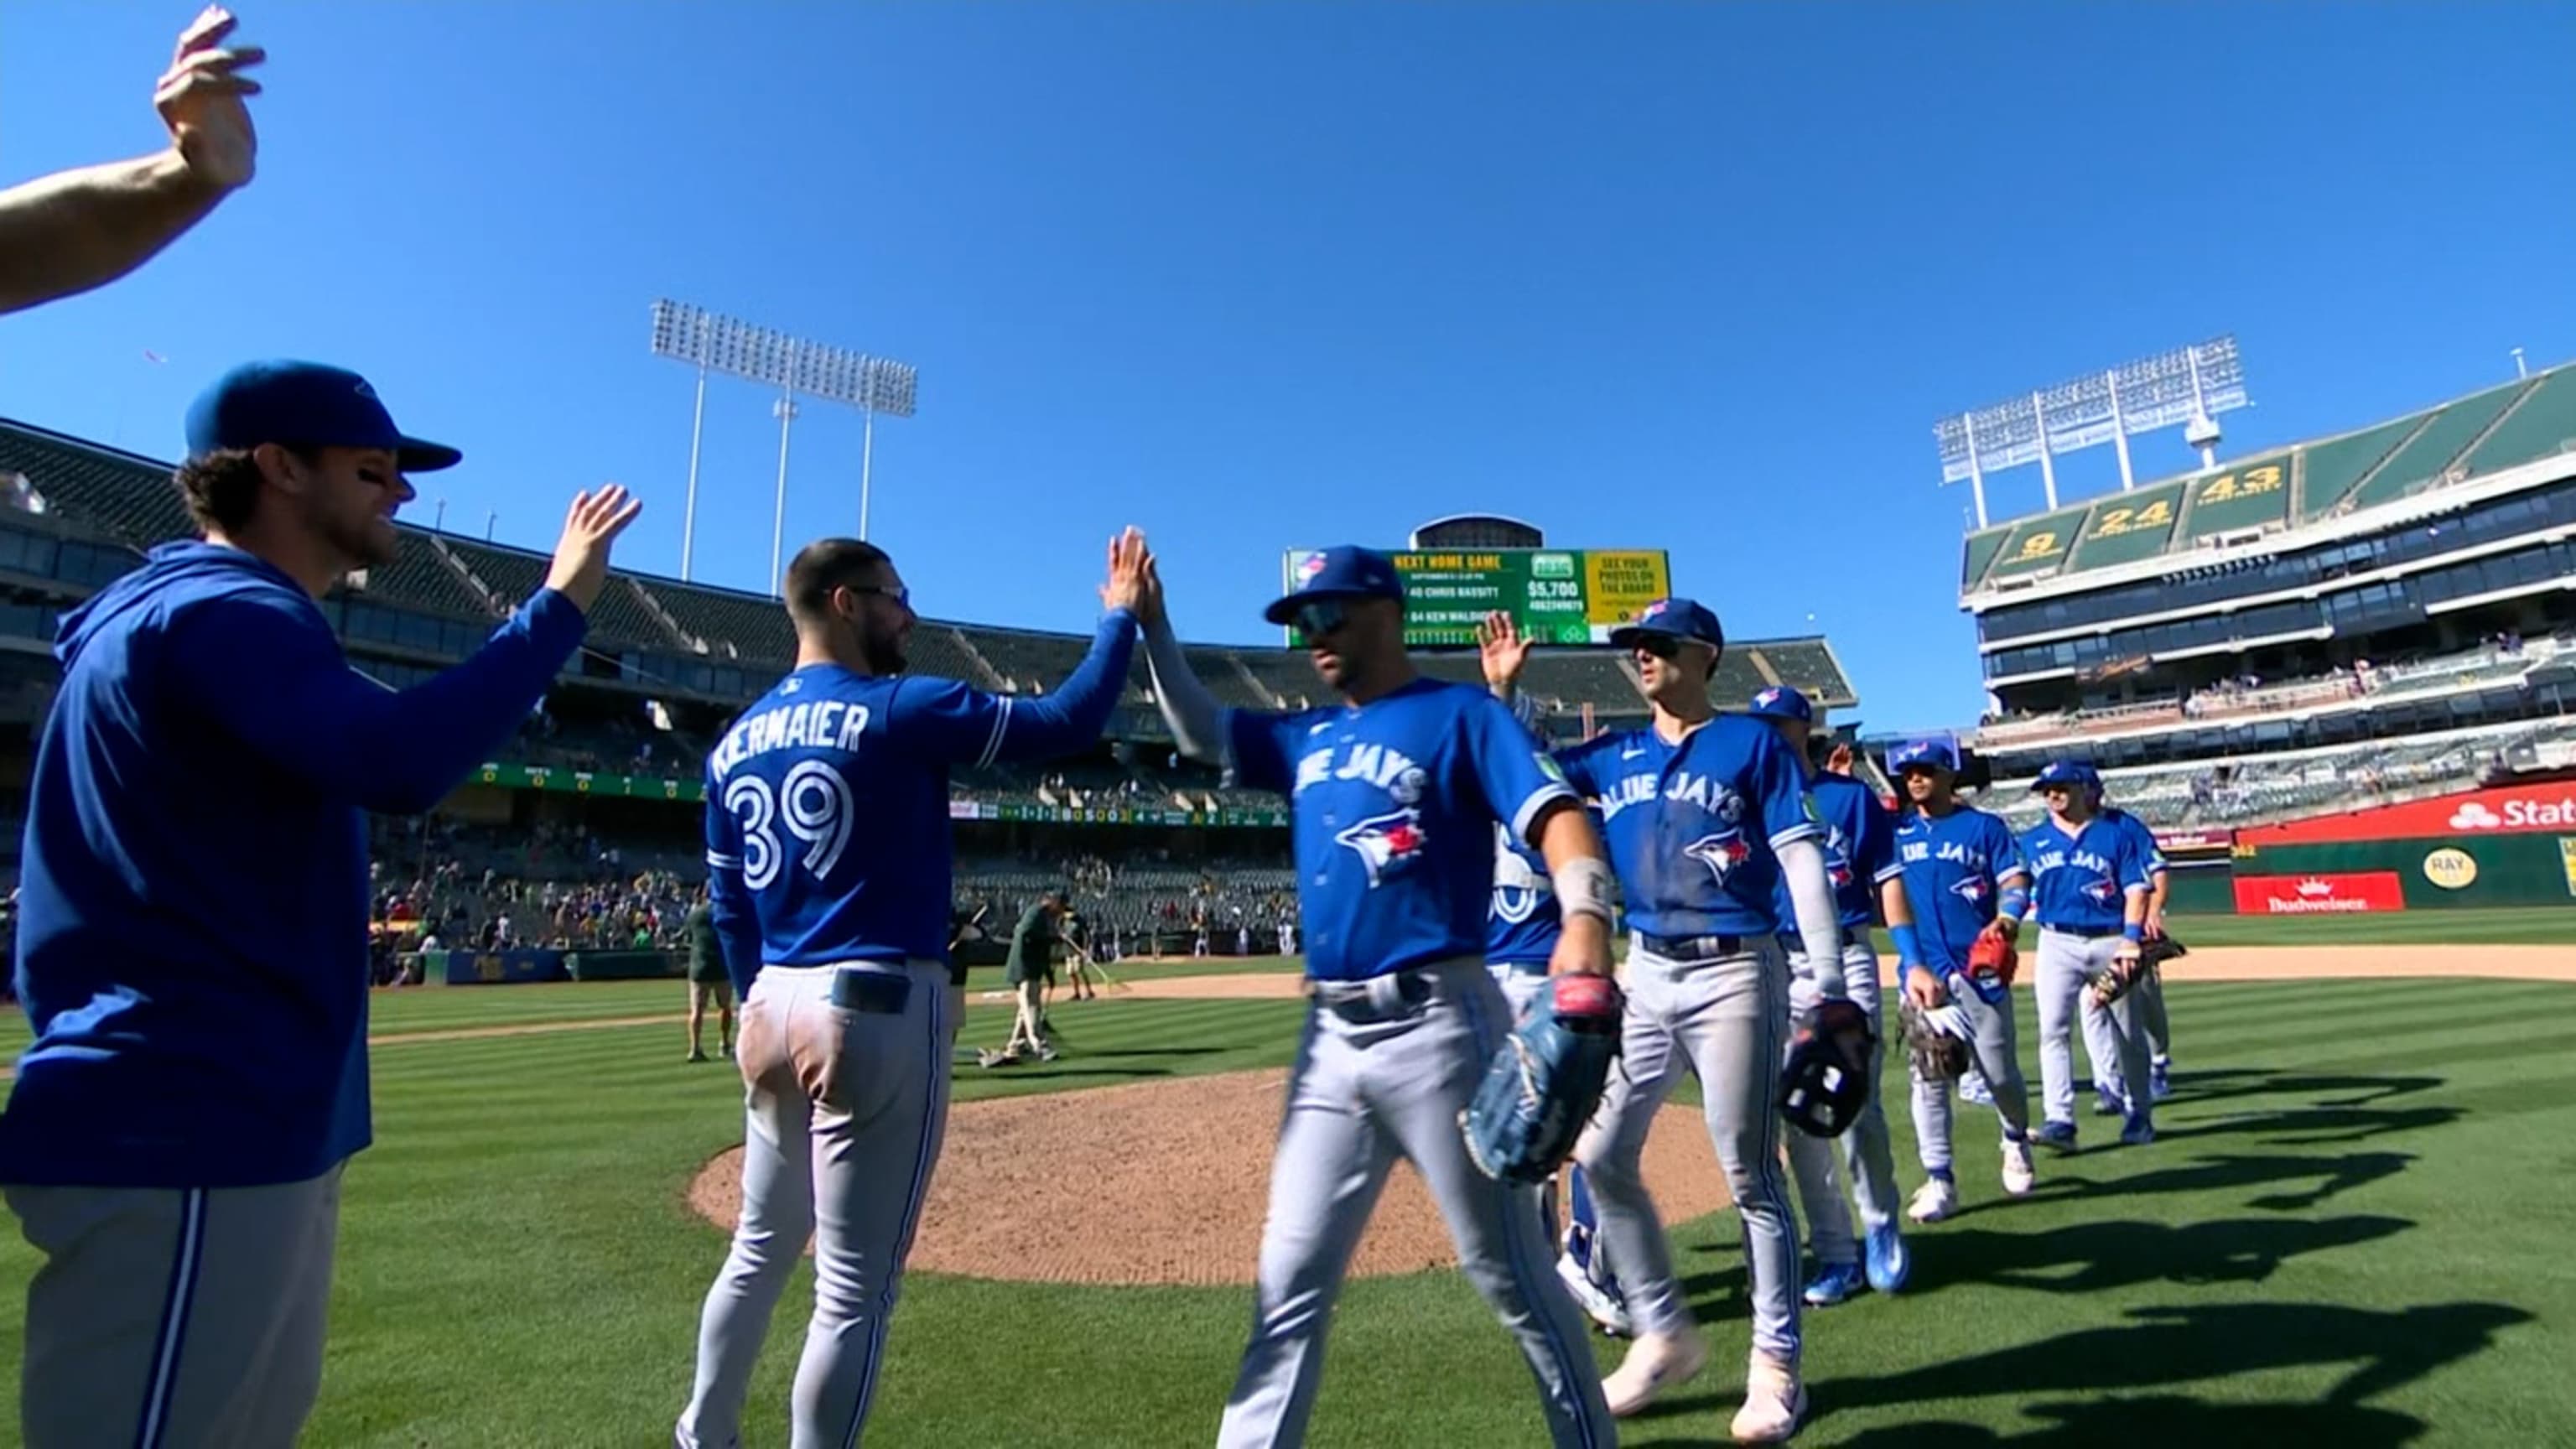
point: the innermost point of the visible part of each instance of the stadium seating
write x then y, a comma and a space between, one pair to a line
419, 578
128, 498
2335, 468
510, 575
2249, 496
1807, 666
2423, 458
2541, 425
2039, 544
733, 625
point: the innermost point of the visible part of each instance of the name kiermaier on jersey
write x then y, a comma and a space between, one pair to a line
816, 724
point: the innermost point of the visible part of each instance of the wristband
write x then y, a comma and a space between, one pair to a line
2133, 931
2015, 902
1909, 951
1583, 887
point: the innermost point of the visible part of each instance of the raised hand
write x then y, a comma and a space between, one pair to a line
1128, 563
591, 527
1149, 604
1501, 648
201, 100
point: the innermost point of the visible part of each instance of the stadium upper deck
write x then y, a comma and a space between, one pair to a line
85, 512
2513, 436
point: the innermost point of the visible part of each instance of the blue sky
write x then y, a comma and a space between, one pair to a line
1254, 277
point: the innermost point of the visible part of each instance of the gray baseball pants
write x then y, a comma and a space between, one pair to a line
1726, 1020
1819, 1165
1996, 1055
1384, 1069
2068, 966
175, 1318
844, 1107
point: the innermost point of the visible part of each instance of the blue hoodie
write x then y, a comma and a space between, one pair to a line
192, 931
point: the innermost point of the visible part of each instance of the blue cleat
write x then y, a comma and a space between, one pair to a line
2159, 1080
2140, 1131
2057, 1135
1833, 1283
2108, 1103
1889, 1261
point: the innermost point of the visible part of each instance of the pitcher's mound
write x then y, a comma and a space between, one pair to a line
1166, 1182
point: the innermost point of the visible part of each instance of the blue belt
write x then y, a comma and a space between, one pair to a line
1522, 968
2089, 933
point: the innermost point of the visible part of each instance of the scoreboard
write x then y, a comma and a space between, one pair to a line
1557, 595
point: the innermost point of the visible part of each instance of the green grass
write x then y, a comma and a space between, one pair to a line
2510, 926
2353, 1232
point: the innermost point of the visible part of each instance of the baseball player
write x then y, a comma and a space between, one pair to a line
1704, 818
1860, 859
1026, 971
1395, 792
2101, 1047
829, 858
192, 944
1963, 874
65, 234
2089, 891
707, 983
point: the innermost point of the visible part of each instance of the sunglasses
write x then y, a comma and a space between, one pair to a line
1322, 617
1662, 646
897, 592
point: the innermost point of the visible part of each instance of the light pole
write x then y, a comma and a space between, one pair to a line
712, 342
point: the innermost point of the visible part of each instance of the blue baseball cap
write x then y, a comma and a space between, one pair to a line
1344, 572
1782, 702
305, 404
1924, 754
2069, 772
1674, 618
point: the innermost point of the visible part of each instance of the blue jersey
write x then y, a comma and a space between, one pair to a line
2143, 834
1526, 918
1692, 827
1394, 803
192, 933
1860, 851
1955, 867
828, 836
2079, 882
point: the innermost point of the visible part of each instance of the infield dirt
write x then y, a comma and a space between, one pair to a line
1166, 1182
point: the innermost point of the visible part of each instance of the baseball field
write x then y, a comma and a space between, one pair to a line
2353, 1230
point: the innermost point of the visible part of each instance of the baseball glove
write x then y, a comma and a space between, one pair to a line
2158, 951
1992, 954
1936, 1041
1826, 1082
1542, 1087
2110, 987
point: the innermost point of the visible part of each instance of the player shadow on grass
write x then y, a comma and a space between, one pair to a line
2168, 1344
2163, 1420
2087, 1257
2348, 1091
2219, 1172
2320, 1125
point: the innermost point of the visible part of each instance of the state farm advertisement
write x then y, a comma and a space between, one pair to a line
2512, 810
2319, 895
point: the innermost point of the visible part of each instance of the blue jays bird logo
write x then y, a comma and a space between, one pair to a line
1767, 697
1384, 843
2102, 890
1720, 853
1971, 889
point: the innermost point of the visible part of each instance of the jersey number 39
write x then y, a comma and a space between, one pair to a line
815, 806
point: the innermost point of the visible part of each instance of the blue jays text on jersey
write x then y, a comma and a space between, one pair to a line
2079, 881
828, 836
1394, 803
1692, 827
1860, 850
1955, 868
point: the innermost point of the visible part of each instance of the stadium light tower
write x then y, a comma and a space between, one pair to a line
2187, 385
712, 342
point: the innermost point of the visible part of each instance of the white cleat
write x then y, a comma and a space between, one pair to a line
2019, 1176
1655, 1362
1774, 1402
1607, 1313
1934, 1201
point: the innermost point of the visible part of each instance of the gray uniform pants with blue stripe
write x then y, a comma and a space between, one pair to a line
1727, 1021
1376, 1079
844, 1110
175, 1318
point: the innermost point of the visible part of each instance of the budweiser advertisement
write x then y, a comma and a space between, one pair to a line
2510, 810
2186, 842
2319, 895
